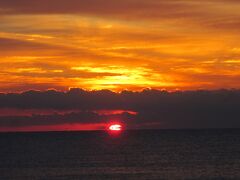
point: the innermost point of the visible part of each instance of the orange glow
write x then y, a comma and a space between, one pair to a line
61, 127
144, 46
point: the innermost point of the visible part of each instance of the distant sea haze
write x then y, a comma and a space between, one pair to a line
78, 109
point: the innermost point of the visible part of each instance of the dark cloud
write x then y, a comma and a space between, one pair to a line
7, 44
12, 86
20, 47
211, 13
155, 109
66, 74
85, 117
125, 9
13, 45
97, 7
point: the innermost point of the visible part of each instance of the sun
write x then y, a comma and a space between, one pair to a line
115, 127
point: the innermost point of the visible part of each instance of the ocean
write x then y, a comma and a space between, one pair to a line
133, 154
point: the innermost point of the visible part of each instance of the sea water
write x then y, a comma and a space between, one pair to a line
133, 154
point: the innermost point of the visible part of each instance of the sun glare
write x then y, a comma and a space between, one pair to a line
115, 127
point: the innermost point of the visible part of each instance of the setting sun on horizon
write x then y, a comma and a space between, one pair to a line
119, 89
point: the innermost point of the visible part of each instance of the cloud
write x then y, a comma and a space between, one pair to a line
97, 7
86, 117
31, 72
125, 9
21, 44
7, 44
13, 47
155, 109
169, 38
12, 86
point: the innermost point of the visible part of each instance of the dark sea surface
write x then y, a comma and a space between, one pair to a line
142, 154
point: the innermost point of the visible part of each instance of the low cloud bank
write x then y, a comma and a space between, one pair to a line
155, 109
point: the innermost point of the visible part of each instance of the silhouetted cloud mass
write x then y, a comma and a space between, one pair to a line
154, 108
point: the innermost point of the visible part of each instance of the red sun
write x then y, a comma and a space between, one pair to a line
115, 127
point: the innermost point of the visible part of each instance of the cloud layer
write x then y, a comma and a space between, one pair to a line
154, 109
117, 45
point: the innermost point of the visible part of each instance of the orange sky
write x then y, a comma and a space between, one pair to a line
116, 45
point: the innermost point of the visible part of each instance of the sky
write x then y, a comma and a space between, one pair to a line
58, 46
119, 45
